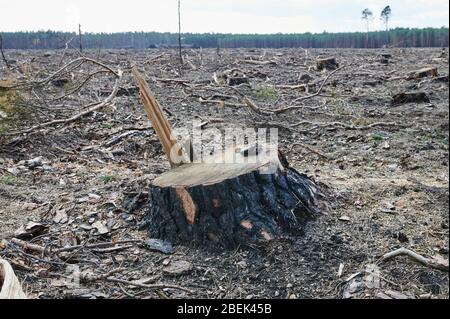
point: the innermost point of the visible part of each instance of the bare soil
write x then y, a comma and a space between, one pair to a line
388, 183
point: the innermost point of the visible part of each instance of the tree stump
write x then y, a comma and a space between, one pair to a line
327, 63
422, 73
238, 196
232, 204
410, 97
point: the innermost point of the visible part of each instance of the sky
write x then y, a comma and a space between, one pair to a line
218, 16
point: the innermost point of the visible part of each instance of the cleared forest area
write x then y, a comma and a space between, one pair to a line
78, 157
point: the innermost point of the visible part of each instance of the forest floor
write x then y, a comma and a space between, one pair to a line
87, 181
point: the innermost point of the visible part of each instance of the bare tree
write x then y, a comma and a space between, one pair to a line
80, 36
386, 16
367, 15
179, 32
1, 51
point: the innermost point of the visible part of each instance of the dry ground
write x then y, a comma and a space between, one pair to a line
388, 185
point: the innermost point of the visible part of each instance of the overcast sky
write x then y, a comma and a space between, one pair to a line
228, 16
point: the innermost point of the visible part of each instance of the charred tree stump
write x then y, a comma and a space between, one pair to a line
231, 204
238, 196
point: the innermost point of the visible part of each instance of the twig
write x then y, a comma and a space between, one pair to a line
111, 249
257, 62
79, 60
282, 110
98, 245
348, 126
90, 277
78, 87
66, 47
415, 256
220, 103
309, 148
152, 287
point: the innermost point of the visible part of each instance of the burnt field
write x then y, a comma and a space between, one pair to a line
380, 156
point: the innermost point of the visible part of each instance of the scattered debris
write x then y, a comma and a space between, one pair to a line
100, 227
441, 264
230, 77
177, 268
30, 230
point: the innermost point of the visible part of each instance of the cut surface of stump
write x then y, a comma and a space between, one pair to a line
231, 204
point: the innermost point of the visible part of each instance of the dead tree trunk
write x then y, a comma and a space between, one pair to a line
179, 33
80, 35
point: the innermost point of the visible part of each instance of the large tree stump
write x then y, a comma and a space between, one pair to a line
238, 196
231, 204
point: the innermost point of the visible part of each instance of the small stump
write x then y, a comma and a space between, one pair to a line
232, 204
423, 73
327, 63
410, 97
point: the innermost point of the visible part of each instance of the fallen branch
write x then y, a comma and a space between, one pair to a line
30, 247
257, 62
220, 102
80, 86
176, 81
282, 110
66, 47
249, 102
309, 148
433, 263
80, 61
94, 108
111, 249
292, 87
152, 287
347, 126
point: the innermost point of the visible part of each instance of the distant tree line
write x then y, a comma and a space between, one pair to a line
399, 37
